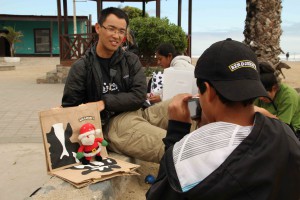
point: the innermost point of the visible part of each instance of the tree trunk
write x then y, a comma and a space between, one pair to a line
12, 50
263, 29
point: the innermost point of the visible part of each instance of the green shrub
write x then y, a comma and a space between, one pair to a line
133, 12
12, 37
150, 32
149, 70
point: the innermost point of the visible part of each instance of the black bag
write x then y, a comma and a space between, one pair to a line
297, 133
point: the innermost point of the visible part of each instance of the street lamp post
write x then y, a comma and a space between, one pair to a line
74, 17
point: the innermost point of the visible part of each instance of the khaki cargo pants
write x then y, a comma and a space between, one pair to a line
139, 133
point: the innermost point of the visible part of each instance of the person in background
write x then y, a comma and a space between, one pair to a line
287, 56
115, 80
239, 153
167, 57
129, 42
283, 101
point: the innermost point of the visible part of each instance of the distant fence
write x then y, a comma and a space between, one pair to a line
73, 46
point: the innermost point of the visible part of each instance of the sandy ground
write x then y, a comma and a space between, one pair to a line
292, 76
137, 188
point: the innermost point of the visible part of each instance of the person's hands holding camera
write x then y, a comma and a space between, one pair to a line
178, 108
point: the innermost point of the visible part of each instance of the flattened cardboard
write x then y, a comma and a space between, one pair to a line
82, 175
60, 129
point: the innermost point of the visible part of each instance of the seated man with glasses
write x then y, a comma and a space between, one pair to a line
115, 79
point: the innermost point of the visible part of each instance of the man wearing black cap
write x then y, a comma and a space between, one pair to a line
238, 154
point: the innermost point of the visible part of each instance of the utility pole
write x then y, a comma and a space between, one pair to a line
74, 17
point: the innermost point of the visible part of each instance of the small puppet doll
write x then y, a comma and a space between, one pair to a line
90, 145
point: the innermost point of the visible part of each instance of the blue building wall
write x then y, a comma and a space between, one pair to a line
26, 46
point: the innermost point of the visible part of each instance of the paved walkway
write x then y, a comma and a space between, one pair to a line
21, 99
23, 166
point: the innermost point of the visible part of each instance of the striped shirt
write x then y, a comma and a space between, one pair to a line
201, 152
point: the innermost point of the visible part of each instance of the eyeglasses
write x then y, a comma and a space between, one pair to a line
114, 30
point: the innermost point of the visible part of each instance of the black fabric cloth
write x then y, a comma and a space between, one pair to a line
85, 82
266, 165
149, 85
297, 133
105, 70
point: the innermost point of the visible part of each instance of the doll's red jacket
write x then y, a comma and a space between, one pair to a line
90, 150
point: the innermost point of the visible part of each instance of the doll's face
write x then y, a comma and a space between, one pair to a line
88, 140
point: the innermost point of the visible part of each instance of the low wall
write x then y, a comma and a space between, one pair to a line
117, 188
56, 76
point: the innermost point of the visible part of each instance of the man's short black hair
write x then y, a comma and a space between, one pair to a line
267, 75
112, 10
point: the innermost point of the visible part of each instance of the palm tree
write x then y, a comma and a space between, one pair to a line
263, 29
12, 37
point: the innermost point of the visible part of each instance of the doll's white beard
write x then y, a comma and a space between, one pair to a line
88, 140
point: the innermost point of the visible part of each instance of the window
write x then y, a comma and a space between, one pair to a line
42, 40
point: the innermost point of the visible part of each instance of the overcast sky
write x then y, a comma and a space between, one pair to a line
211, 23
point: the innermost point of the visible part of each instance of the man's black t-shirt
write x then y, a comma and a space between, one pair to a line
109, 86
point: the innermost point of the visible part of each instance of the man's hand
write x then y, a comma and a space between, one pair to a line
154, 99
100, 105
264, 112
178, 108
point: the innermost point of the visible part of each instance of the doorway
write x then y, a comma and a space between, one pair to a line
42, 42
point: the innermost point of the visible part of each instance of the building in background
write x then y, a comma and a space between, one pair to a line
41, 36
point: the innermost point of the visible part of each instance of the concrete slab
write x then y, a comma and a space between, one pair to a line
7, 67
23, 169
58, 189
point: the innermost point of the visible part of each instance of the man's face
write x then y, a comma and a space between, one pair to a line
111, 34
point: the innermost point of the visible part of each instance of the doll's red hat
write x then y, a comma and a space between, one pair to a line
88, 129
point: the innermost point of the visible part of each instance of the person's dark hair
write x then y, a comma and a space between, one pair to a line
165, 49
267, 75
112, 10
202, 89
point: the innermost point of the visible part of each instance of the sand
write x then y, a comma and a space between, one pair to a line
292, 76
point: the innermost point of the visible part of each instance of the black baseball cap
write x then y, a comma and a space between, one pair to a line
232, 68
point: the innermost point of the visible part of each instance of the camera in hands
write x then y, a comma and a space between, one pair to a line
194, 108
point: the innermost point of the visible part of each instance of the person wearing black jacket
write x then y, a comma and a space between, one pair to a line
239, 153
115, 79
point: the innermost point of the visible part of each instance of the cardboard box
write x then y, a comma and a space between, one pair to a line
60, 129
